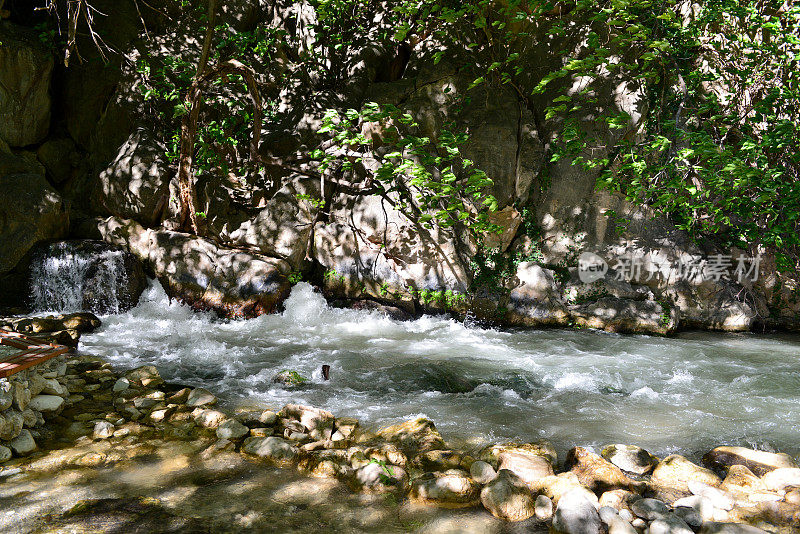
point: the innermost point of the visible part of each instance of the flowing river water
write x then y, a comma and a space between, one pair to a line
573, 387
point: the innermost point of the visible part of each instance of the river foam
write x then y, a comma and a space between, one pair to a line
684, 394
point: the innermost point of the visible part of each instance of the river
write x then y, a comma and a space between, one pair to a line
684, 394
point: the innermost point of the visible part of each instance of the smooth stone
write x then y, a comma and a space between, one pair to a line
620, 526
146, 375
703, 506
528, 467
6, 395
380, 478
482, 472
507, 497
690, 516
740, 478
713, 527
491, 454
597, 473
5, 454
618, 499
649, 509
453, 488
46, 403
575, 514
103, 430
272, 447
639, 523
718, 499
231, 430
121, 385
627, 515
630, 458
24, 443
607, 514
200, 397
29, 418
543, 508
210, 419
677, 472
779, 479
53, 387
759, 462
669, 524
268, 417
315, 420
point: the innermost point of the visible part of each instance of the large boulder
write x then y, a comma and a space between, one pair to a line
201, 273
135, 185
31, 211
24, 86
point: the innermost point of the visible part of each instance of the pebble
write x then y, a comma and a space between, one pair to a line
103, 430
669, 524
543, 508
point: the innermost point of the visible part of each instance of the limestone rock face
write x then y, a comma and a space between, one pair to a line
24, 86
135, 185
31, 211
536, 300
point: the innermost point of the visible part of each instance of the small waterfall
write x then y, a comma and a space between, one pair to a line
69, 276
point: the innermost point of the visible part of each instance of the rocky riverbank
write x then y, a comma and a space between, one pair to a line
101, 420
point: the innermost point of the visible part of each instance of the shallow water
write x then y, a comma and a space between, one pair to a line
684, 394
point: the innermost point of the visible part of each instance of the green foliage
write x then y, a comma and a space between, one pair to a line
719, 150
295, 277
292, 378
428, 179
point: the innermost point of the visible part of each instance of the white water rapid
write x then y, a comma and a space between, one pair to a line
684, 394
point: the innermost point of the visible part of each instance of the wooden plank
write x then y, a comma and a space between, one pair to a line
33, 352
